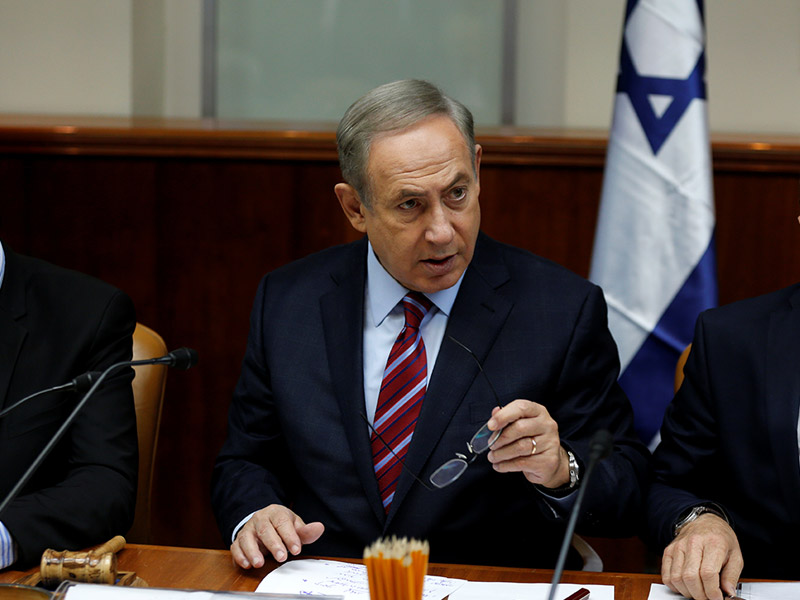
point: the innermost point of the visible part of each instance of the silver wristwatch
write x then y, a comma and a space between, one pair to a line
693, 514
573, 470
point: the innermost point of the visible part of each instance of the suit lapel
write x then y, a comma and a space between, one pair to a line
477, 317
782, 397
12, 309
342, 317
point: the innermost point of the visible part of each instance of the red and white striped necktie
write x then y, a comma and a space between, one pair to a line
400, 399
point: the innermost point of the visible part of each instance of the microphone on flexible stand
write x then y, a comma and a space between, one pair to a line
599, 448
81, 383
182, 358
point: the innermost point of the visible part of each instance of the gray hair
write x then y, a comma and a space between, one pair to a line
392, 107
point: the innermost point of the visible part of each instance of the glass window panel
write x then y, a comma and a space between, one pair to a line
310, 59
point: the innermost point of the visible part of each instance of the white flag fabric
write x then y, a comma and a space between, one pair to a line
654, 250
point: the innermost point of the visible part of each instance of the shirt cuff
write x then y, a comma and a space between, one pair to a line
240, 525
8, 548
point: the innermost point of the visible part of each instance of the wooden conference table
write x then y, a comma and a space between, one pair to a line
193, 568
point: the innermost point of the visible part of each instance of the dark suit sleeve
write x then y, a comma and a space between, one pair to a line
249, 473
689, 444
589, 399
93, 496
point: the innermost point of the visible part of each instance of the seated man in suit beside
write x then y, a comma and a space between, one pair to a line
306, 459
726, 494
56, 324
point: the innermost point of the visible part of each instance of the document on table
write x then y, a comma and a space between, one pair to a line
335, 578
750, 591
659, 591
770, 590
478, 590
95, 591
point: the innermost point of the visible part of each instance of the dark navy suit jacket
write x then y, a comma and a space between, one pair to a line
54, 325
730, 435
296, 435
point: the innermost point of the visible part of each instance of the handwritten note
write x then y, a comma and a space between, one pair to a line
334, 578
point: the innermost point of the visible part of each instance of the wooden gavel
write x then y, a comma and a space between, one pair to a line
95, 566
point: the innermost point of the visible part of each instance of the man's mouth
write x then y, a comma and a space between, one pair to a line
438, 261
440, 266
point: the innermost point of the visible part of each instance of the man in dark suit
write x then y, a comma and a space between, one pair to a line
319, 454
56, 324
727, 477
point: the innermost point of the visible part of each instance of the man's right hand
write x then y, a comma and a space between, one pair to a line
272, 529
704, 560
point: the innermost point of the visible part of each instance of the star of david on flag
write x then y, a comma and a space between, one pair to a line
654, 246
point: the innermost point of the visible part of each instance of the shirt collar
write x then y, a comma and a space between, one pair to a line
2, 264
384, 292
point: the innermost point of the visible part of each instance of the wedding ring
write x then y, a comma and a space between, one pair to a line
533, 442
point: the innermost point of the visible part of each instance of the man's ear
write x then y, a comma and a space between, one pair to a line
478, 154
351, 205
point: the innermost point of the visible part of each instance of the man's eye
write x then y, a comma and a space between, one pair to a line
408, 204
459, 193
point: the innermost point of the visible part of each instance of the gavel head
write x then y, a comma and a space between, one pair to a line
89, 567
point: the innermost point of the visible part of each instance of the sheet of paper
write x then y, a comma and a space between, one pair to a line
334, 578
478, 590
94, 591
769, 590
766, 590
658, 591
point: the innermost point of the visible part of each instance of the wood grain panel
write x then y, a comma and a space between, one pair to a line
758, 236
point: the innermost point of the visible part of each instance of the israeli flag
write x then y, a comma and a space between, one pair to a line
654, 247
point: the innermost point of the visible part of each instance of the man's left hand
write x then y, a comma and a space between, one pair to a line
529, 444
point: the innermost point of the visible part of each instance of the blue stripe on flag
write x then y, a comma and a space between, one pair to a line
650, 374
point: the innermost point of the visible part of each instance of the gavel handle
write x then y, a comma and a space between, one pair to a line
114, 545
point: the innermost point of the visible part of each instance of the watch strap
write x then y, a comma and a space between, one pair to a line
692, 514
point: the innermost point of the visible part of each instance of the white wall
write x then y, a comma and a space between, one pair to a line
65, 57
142, 57
753, 63
166, 69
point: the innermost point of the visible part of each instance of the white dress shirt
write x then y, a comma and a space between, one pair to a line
384, 318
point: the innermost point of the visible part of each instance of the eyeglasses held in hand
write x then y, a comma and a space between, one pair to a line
483, 439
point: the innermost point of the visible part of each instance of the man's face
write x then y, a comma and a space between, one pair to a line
424, 214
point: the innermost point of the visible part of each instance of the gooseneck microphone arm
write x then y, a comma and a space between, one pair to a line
599, 448
80, 384
182, 358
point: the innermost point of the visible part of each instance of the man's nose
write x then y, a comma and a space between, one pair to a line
439, 230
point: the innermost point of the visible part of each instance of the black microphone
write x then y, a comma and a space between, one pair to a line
81, 383
599, 448
182, 358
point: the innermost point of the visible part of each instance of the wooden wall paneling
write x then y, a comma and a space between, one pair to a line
319, 221
94, 216
758, 236
13, 206
548, 210
222, 226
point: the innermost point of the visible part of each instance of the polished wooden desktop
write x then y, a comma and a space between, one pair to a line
193, 568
